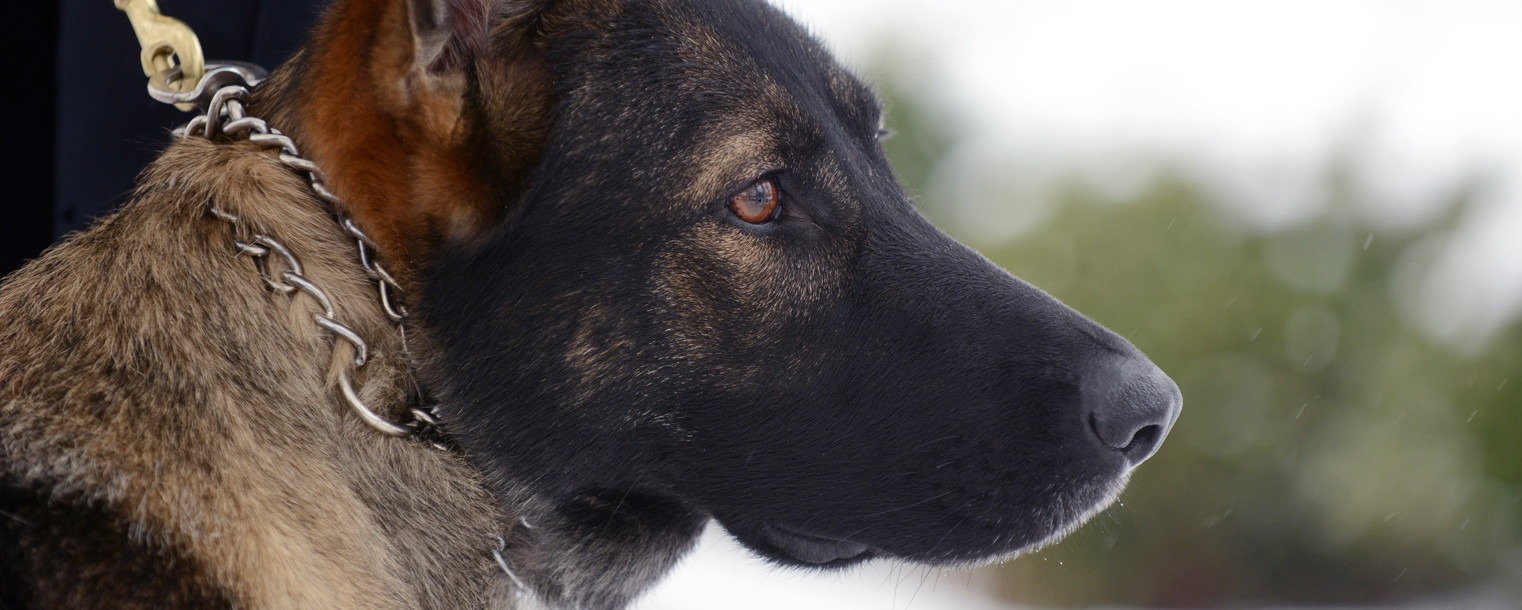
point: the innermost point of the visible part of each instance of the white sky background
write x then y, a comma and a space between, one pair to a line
1253, 99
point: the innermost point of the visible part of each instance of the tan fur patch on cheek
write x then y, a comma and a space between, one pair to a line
599, 351
765, 276
728, 288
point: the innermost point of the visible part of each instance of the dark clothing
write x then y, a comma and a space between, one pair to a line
26, 118
108, 127
65, 169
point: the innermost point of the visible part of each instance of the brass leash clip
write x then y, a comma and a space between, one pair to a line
167, 43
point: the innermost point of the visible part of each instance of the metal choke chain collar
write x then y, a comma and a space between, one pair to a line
223, 93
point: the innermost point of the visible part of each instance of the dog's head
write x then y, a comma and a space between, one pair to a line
667, 273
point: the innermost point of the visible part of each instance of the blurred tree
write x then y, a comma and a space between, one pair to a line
1328, 452
920, 131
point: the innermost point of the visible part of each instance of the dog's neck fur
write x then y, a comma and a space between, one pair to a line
255, 479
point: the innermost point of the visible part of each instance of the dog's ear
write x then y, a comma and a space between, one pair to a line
425, 115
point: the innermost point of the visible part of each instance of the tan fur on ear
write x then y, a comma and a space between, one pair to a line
392, 112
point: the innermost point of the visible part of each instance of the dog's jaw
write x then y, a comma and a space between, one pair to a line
594, 551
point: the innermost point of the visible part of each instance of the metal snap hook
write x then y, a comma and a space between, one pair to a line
168, 44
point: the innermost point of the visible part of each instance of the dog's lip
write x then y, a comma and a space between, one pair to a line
812, 548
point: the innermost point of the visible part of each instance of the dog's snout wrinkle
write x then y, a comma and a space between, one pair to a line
1129, 406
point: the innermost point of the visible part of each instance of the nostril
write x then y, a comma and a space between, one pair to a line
1144, 441
1129, 406
1140, 442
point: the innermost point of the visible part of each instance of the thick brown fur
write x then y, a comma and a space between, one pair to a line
420, 146
170, 433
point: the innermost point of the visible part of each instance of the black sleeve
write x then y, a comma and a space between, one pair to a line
107, 126
26, 119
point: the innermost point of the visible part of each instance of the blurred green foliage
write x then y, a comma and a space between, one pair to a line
1328, 451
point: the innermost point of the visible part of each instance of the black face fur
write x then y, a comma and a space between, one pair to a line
838, 383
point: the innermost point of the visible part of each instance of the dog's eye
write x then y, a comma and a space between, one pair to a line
758, 203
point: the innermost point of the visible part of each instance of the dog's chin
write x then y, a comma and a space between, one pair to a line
792, 546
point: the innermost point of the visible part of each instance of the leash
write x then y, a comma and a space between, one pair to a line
178, 74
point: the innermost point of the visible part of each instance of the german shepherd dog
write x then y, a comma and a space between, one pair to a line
658, 272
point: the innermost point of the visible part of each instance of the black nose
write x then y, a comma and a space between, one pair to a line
1129, 405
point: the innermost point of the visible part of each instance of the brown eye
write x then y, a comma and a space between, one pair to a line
758, 203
